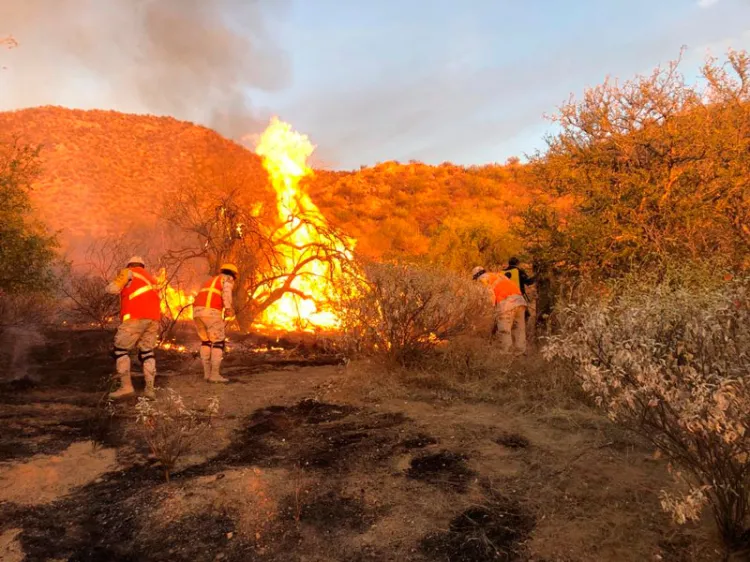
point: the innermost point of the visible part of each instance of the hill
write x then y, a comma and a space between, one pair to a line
106, 172
420, 210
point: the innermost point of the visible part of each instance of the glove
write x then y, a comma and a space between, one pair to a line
229, 314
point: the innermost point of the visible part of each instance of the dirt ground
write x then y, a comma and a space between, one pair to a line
322, 463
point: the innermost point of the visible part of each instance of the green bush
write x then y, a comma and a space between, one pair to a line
27, 250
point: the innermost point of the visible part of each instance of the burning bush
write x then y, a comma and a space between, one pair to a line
669, 361
170, 428
403, 311
292, 263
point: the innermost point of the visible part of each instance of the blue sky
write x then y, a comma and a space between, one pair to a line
431, 80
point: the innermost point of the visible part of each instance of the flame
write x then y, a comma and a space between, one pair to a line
174, 302
266, 349
302, 225
169, 345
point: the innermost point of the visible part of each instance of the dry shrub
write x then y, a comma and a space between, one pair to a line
433, 327
25, 310
474, 369
401, 312
169, 427
670, 361
89, 302
470, 359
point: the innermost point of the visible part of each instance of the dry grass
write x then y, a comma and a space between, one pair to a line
473, 369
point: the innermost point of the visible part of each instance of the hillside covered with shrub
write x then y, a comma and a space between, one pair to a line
105, 173
451, 214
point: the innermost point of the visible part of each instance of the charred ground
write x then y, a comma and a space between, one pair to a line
308, 463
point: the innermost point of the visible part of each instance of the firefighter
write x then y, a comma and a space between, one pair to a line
211, 309
140, 313
509, 308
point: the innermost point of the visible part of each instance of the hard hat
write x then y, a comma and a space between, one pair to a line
136, 259
477, 272
230, 267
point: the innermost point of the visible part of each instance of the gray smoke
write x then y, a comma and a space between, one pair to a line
194, 59
17, 346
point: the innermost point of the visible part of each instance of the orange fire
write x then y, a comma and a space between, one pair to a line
175, 303
302, 225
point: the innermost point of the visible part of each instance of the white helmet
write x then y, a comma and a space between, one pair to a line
137, 259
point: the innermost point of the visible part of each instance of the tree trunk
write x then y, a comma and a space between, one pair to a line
245, 309
545, 298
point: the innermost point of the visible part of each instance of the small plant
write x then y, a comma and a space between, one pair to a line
670, 361
101, 423
169, 427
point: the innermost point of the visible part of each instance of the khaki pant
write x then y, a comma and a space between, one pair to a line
211, 330
136, 333
512, 327
210, 324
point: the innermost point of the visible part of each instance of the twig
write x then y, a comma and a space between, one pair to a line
581, 454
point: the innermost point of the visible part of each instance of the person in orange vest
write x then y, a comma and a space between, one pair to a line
212, 307
510, 308
140, 313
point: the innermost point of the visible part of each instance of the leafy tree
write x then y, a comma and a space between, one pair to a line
656, 170
413, 210
460, 246
26, 248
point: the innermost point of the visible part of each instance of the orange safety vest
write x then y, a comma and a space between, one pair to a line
210, 295
500, 286
139, 300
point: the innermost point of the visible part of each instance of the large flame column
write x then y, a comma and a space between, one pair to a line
285, 153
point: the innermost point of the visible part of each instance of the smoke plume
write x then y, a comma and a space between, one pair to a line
194, 59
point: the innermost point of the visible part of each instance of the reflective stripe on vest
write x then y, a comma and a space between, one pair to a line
139, 299
147, 286
209, 290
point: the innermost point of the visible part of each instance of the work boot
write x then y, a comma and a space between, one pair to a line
206, 370
126, 388
149, 373
149, 392
217, 354
205, 353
